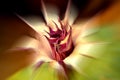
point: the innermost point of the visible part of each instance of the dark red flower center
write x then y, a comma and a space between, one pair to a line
60, 41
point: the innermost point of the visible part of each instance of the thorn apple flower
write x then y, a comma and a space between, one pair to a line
56, 41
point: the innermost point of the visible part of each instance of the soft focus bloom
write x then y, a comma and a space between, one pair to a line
57, 42
61, 47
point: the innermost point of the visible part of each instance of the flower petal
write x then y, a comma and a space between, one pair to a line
84, 28
35, 22
50, 13
38, 45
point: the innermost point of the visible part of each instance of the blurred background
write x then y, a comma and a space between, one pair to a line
104, 14
85, 7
